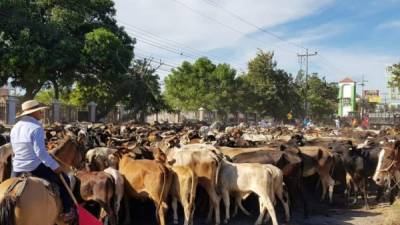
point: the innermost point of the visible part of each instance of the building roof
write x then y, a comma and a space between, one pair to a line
347, 80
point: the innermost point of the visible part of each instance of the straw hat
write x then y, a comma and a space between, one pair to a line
31, 106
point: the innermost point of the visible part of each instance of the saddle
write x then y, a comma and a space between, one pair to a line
23, 179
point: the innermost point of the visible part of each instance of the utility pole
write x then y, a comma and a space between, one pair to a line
301, 60
385, 101
362, 84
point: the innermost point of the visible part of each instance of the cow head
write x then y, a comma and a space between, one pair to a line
297, 140
159, 156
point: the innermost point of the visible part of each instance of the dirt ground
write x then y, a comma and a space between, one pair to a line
333, 216
320, 214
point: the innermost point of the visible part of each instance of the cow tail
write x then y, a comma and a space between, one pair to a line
7, 209
217, 173
193, 188
164, 185
111, 184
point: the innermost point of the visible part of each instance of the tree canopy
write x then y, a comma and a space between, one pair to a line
271, 90
320, 95
395, 80
264, 89
49, 43
201, 84
77, 50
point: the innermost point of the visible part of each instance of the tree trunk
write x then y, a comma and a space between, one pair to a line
56, 90
31, 93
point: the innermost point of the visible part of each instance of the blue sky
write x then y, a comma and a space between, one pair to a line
353, 38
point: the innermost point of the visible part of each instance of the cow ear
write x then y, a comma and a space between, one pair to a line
320, 153
282, 147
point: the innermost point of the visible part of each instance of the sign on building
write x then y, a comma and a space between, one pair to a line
372, 96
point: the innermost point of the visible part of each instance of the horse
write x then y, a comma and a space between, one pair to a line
5, 157
388, 168
22, 200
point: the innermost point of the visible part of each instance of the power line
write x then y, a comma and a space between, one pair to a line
217, 5
306, 56
158, 42
158, 60
140, 30
223, 24
167, 42
165, 48
331, 64
362, 84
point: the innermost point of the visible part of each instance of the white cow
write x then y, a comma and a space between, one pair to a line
183, 188
244, 178
99, 157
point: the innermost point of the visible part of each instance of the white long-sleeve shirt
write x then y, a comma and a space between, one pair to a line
27, 140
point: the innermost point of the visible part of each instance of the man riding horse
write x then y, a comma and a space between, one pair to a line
31, 156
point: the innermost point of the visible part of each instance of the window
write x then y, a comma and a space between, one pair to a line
346, 102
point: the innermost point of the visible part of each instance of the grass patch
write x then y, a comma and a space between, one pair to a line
393, 216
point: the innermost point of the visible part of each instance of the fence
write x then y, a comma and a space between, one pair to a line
59, 112
66, 114
207, 116
3, 112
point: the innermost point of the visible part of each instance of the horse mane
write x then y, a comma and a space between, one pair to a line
61, 145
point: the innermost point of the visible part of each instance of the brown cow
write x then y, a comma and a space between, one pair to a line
183, 187
147, 179
98, 187
319, 160
204, 161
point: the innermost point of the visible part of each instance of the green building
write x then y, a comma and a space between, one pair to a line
347, 97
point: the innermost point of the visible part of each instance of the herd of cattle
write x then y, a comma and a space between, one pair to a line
167, 163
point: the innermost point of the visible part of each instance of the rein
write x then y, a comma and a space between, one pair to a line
397, 184
389, 167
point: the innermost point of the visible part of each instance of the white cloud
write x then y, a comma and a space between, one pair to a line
169, 20
394, 24
305, 37
355, 64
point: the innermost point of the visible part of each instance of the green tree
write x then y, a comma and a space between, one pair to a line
202, 84
321, 96
394, 81
272, 90
67, 97
138, 89
143, 89
50, 43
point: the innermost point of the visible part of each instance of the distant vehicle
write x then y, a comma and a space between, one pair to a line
378, 120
